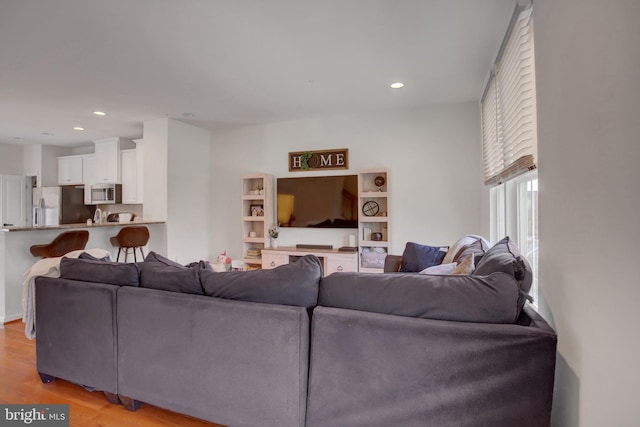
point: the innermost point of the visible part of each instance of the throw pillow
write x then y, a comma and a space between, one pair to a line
291, 284
466, 266
440, 269
416, 257
161, 273
96, 271
460, 245
477, 249
505, 257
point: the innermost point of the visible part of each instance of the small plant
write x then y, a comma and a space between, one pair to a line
304, 160
260, 187
274, 231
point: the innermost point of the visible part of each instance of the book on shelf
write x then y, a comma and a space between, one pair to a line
254, 253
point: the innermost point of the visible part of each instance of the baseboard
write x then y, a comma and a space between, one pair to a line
10, 318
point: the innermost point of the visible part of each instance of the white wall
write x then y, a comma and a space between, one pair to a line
177, 186
587, 62
11, 159
188, 226
433, 154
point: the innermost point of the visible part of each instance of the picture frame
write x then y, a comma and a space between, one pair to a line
256, 210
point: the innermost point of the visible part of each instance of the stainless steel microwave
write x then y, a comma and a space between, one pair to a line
103, 194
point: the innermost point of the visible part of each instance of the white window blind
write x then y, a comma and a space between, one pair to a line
509, 106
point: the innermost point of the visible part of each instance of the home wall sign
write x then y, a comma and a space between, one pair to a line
319, 160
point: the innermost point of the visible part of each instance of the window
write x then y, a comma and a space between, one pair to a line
509, 140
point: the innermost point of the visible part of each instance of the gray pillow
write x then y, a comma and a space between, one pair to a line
161, 273
97, 271
291, 284
505, 256
477, 249
491, 299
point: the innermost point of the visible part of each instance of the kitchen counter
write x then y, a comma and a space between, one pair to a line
80, 225
16, 258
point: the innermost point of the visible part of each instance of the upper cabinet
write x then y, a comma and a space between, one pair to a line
131, 162
70, 170
108, 168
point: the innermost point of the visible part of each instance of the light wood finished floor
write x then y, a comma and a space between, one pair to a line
20, 383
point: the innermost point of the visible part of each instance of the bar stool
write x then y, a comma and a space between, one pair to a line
130, 238
64, 243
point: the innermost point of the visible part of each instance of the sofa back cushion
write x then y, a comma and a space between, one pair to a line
161, 273
487, 299
97, 271
291, 284
505, 256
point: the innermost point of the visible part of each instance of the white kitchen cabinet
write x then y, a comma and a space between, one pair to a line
129, 164
88, 166
107, 159
69, 170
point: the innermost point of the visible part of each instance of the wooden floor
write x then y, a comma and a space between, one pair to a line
20, 383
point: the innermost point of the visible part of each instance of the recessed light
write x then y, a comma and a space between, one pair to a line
47, 133
99, 113
397, 85
78, 128
188, 115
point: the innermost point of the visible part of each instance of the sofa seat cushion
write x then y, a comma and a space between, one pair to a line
485, 299
291, 284
97, 271
417, 257
161, 273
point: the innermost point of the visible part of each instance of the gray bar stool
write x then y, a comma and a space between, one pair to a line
130, 239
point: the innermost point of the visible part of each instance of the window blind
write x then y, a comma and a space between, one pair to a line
508, 106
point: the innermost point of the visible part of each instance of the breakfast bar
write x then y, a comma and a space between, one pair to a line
16, 259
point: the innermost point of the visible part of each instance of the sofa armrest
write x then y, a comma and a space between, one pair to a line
76, 332
392, 263
378, 370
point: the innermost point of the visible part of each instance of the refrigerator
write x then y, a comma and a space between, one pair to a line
53, 206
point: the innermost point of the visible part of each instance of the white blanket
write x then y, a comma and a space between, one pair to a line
49, 267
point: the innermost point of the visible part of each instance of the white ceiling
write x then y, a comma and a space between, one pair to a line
232, 62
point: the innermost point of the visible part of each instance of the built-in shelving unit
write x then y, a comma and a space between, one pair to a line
374, 215
257, 217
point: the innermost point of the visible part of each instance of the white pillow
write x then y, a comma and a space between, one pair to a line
440, 269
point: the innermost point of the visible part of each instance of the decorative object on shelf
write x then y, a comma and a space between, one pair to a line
376, 236
379, 181
257, 210
274, 232
223, 263
370, 208
260, 189
319, 160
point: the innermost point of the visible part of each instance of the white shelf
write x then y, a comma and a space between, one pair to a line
369, 191
374, 218
256, 224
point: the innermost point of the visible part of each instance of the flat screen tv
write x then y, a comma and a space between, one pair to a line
318, 202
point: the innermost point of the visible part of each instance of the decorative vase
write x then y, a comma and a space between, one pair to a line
274, 243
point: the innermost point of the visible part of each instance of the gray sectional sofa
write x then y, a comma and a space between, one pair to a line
284, 347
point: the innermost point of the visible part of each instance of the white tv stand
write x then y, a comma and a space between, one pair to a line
333, 261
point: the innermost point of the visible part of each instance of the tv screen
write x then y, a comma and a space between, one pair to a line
318, 202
